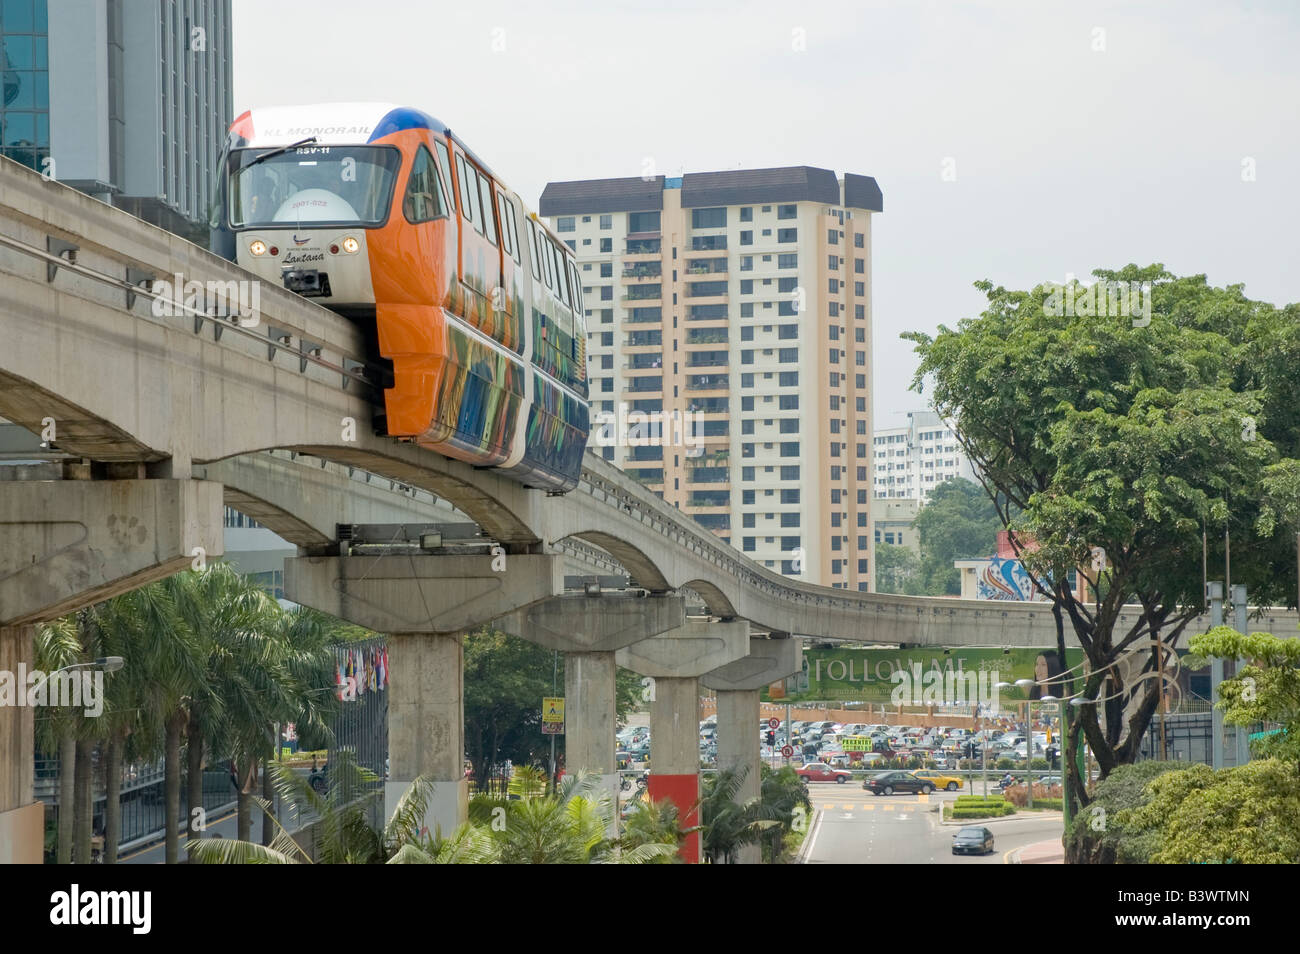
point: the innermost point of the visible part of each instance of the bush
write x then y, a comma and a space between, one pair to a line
1113, 842
1017, 796
985, 811
1004, 764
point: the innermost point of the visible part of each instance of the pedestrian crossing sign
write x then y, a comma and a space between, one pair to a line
553, 709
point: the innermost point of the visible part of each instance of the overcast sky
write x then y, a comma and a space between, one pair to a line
1082, 135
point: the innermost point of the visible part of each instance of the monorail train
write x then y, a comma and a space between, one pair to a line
379, 213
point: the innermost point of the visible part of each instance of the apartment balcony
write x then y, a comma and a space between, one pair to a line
644, 339
645, 385
704, 266
651, 477
643, 293
708, 243
707, 359
652, 315
643, 249
714, 312
709, 405
708, 383
706, 293
714, 476
648, 272
652, 361
703, 337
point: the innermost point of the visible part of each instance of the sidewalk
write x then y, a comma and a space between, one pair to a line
1039, 853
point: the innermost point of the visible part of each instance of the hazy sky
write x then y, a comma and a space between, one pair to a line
1082, 135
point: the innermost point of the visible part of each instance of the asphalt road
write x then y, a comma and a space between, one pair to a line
852, 826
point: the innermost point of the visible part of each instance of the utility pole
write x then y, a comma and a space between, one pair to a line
555, 675
1215, 592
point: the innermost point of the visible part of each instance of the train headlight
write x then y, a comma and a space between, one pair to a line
257, 247
350, 245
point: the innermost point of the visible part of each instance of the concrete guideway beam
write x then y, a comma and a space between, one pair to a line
588, 630
407, 593
737, 685
68, 543
676, 660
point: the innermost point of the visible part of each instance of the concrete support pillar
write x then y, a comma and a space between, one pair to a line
426, 725
737, 685
67, 543
589, 716
22, 820
588, 630
738, 713
676, 660
425, 604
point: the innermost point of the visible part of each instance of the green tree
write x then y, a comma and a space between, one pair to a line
1103, 835
959, 522
729, 825
1266, 689
1244, 815
1127, 435
784, 799
898, 570
505, 681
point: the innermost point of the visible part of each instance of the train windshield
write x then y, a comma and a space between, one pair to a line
320, 185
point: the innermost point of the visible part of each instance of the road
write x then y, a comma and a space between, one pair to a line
852, 826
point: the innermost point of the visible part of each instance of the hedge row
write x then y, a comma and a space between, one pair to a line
982, 811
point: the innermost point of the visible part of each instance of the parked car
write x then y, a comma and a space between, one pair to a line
941, 779
974, 840
820, 772
887, 783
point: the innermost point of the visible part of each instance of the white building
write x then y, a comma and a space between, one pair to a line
911, 461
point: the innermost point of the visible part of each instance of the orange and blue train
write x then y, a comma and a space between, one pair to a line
379, 213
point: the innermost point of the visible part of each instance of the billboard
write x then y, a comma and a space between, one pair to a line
917, 675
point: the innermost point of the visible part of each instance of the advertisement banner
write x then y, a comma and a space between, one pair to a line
930, 676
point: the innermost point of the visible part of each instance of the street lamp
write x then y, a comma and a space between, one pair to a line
106, 663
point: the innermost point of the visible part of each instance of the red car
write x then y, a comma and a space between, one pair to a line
821, 772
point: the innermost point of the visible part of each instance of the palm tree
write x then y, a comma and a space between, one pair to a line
784, 799
729, 825
342, 830
58, 644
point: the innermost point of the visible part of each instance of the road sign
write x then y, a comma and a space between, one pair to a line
552, 728
787, 751
774, 723
553, 709
856, 743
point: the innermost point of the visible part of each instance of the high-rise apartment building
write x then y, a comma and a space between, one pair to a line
729, 324
911, 461
128, 101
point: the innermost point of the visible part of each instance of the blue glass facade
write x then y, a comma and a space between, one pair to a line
24, 82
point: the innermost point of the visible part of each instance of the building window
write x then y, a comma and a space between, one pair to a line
787, 211
790, 519
607, 221
787, 260
747, 237
860, 266
859, 241
787, 235
789, 448
708, 218
789, 472
566, 223
788, 379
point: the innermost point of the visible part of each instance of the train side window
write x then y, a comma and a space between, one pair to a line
468, 196
561, 284
532, 250
444, 169
423, 201
576, 284
509, 235
485, 195
548, 266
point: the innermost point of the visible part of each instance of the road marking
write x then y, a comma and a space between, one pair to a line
848, 808
806, 852
889, 808
868, 808
923, 798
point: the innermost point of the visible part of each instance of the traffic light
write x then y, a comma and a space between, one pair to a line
1054, 757
771, 737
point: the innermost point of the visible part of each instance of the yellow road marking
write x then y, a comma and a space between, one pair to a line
889, 808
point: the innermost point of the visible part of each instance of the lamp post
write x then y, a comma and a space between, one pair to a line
106, 663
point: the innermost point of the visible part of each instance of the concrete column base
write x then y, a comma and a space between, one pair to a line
675, 752
22, 820
738, 715
426, 725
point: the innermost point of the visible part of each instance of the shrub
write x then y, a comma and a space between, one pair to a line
986, 811
1113, 841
